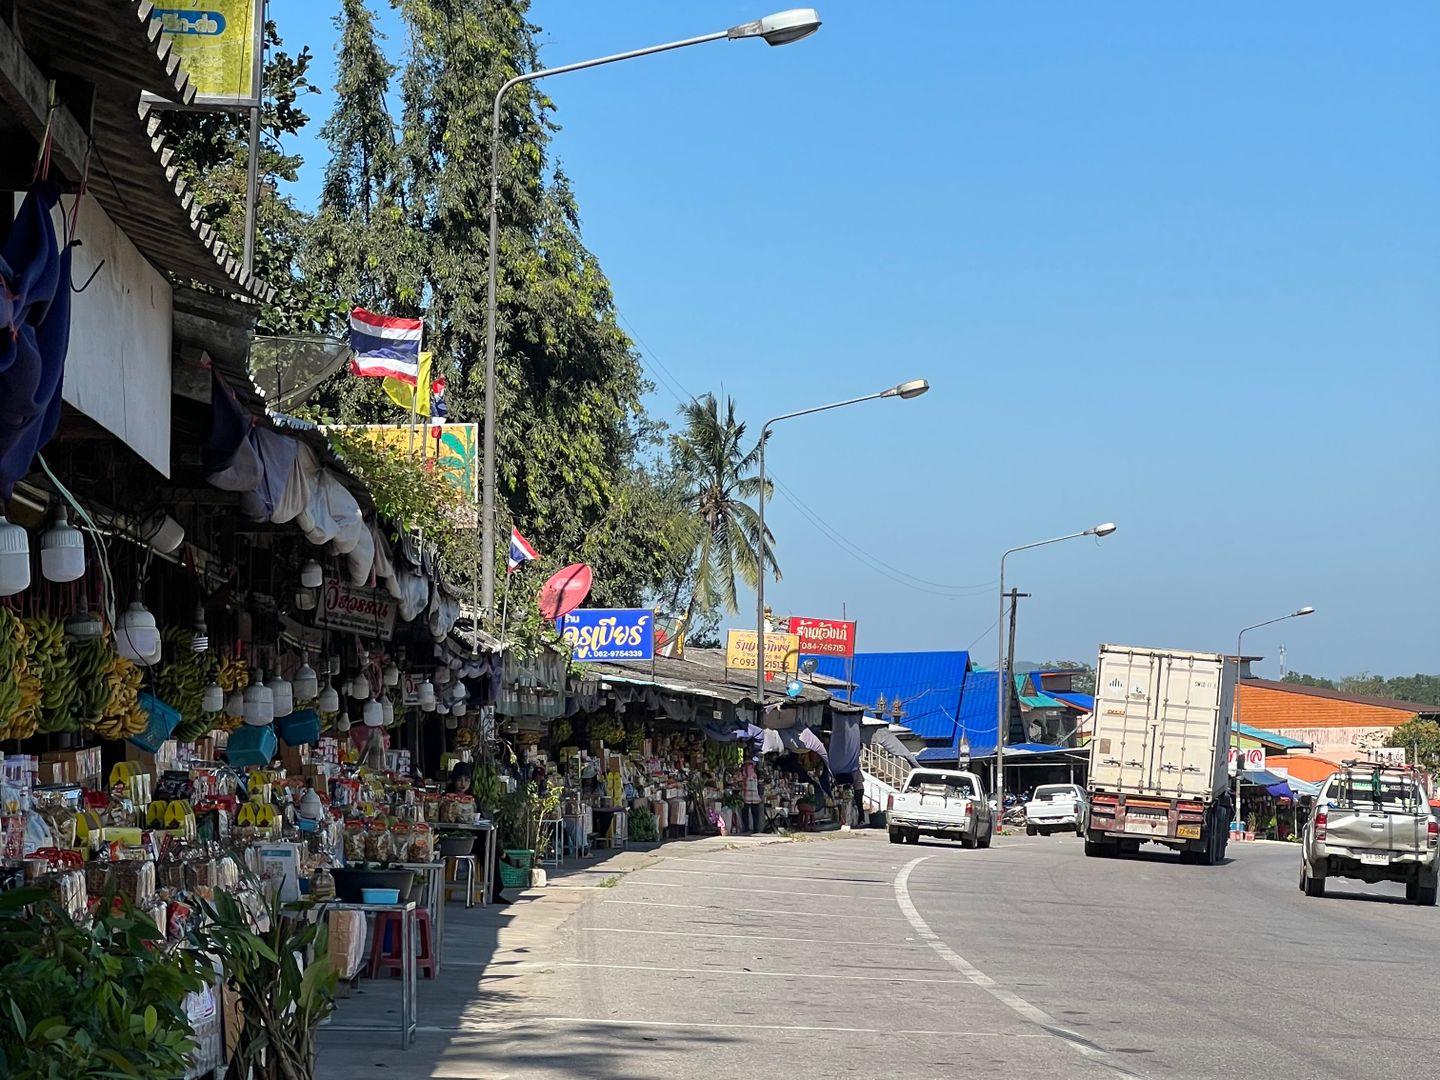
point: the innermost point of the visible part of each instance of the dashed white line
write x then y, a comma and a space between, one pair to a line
1009, 998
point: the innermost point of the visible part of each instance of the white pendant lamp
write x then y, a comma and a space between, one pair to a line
213, 700
200, 633
329, 699
342, 722
360, 687
451, 723
14, 558
305, 599
373, 714
136, 636
458, 709
235, 704
282, 695
391, 675
426, 693
306, 683
84, 625
461, 691
62, 550
387, 709
441, 709
311, 576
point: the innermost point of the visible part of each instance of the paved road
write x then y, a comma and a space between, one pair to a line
853, 957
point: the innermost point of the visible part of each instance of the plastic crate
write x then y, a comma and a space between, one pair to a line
524, 858
163, 720
514, 877
251, 747
299, 728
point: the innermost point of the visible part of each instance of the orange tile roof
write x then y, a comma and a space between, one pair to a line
1277, 706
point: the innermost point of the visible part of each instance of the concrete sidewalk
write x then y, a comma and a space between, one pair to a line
495, 962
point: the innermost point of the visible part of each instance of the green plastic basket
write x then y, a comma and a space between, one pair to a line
514, 877
521, 857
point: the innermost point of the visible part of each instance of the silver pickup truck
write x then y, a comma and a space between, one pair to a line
944, 803
1373, 823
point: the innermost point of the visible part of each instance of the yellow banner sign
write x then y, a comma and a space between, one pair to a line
782, 651
218, 42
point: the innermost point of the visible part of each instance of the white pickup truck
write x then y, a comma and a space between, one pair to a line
942, 803
1055, 808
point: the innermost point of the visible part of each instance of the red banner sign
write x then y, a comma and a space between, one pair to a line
823, 637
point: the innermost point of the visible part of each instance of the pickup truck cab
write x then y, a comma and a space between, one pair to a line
1055, 808
943, 803
1372, 823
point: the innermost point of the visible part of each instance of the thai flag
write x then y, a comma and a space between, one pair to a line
385, 346
521, 550
438, 411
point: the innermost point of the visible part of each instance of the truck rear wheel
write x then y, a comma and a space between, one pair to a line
1031, 830
970, 839
1309, 884
896, 836
1425, 895
1098, 849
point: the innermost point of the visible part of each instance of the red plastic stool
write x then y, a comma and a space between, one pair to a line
386, 952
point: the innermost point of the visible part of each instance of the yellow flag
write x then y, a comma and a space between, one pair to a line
402, 393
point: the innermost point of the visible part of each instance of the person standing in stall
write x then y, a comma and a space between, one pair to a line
754, 819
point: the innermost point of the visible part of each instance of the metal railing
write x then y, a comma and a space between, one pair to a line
880, 764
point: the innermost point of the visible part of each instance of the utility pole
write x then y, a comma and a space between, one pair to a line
1015, 596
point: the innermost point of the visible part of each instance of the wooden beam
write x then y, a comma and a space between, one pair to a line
26, 91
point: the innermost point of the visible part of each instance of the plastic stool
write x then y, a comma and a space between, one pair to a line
385, 953
456, 861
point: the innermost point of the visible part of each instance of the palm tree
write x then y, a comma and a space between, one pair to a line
720, 488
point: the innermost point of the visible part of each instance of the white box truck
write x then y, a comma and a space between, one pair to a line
1159, 753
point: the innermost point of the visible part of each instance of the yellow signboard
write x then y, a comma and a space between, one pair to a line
218, 42
782, 651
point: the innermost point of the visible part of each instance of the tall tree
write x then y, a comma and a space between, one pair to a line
1309, 680
1421, 740
719, 471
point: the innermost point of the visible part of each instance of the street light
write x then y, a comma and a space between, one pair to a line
1002, 695
904, 391
1235, 709
782, 28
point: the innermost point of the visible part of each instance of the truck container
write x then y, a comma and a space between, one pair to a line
1159, 753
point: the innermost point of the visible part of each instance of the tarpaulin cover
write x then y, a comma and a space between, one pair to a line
886, 738
845, 744
361, 559
812, 742
34, 333
277, 462
228, 456
300, 488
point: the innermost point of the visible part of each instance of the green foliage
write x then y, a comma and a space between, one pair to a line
1421, 740
1309, 680
520, 812
284, 979
1421, 689
643, 827
78, 1003
720, 488
407, 489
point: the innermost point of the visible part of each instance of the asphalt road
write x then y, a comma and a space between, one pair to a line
851, 957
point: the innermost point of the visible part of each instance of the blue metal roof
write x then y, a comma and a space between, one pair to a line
936, 755
1079, 700
977, 713
1271, 738
927, 684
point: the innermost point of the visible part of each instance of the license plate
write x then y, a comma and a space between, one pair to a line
1147, 824
1189, 832
1375, 858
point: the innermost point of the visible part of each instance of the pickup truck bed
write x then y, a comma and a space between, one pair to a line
1373, 824
942, 803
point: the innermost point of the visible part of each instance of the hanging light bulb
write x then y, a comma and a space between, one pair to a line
62, 550
441, 709
258, 701
305, 599
387, 709
451, 723
83, 625
282, 696
329, 699
342, 722
306, 683
213, 700
360, 687
311, 576
461, 691
373, 714
200, 636
235, 704
426, 694
391, 674
14, 558
136, 636
458, 709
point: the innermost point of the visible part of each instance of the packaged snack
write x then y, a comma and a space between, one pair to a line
422, 844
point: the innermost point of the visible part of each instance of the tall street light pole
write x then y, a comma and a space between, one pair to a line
1235, 709
904, 391
1002, 690
779, 29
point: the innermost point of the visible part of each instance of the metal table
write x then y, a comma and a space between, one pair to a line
408, 935
435, 901
491, 839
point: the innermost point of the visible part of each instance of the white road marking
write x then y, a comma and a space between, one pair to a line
873, 977
752, 911
1014, 1001
512, 1025
753, 937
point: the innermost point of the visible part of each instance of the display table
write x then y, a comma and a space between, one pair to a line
408, 936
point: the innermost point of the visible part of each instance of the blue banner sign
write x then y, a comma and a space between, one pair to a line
600, 634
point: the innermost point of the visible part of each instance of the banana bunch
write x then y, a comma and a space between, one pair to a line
51, 663
20, 686
122, 716
181, 683
233, 674
90, 659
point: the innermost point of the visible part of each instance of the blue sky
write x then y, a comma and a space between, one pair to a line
1172, 265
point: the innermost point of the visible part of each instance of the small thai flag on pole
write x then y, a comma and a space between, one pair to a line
438, 411
385, 346
521, 550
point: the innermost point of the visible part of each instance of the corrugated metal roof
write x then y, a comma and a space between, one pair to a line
1079, 700
1270, 738
936, 755
927, 684
977, 713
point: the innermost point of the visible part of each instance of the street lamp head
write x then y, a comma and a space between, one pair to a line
781, 28
907, 390
1102, 530
1306, 610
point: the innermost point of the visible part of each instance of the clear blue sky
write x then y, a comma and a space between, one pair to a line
1172, 265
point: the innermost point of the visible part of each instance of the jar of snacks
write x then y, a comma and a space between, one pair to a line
377, 842
400, 841
354, 842
422, 844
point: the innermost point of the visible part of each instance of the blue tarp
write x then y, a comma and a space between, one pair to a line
844, 743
